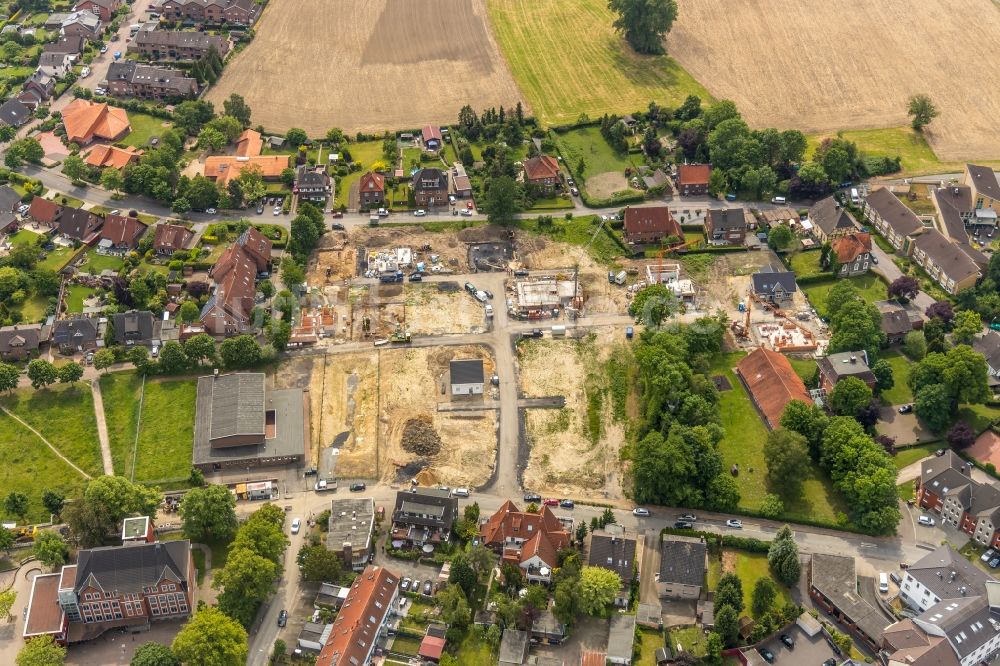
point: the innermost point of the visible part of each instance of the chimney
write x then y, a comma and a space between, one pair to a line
854, 360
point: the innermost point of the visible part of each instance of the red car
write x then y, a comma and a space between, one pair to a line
337, 214
468, 204
551, 502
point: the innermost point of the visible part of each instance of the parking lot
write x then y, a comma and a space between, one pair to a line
808, 650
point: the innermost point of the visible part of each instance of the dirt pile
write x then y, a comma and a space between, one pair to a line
420, 437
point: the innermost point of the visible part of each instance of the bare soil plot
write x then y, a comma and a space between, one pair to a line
850, 64
333, 261
367, 65
564, 456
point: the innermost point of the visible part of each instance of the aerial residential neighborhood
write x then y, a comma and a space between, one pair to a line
499, 333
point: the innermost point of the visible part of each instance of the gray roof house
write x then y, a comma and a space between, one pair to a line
423, 516
774, 286
988, 345
833, 585
945, 261
890, 216
14, 113
682, 567
133, 328
513, 647
615, 552
830, 220
466, 376
22, 340
129, 569
76, 334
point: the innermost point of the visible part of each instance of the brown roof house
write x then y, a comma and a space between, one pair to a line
897, 223
541, 172
430, 187
854, 253
650, 224
371, 189
530, 540
22, 341
945, 262
44, 211
120, 234
692, 179
229, 311
830, 220
834, 367
726, 226
432, 137
985, 190
103, 156
103, 9
771, 382
132, 79
170, 238
79, 224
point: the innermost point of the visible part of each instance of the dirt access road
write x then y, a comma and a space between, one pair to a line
850, 64
368, 65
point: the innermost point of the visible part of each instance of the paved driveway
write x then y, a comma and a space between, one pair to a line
906, 428
808, 650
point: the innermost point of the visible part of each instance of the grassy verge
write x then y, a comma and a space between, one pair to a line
980, 417
587, 143
912, 454
870, 288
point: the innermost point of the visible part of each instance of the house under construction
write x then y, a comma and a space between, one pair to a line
546, 296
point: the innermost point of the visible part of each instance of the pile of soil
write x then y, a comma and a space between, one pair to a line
419, 437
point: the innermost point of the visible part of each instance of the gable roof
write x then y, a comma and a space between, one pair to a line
224, 168
541, 167
181, 38
249, 143
616, 553
682, 560
900, 219
694, 174
85, 120
655, 219
78, 223
9, 199
133, 327
542, 533
430, 179
102, 156
71, 44
984, 179
768, 281
727, 219
772, 383
13, 112
172, 237
830, 217
372, 182
77, 330
356, 628
430, 132
989, 346
128, 569
851, 246
44, 210
20, 337
947, 256
257, 245
436, 507
237, 404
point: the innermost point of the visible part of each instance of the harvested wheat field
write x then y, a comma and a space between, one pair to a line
575, 450
413, 382
367, 65
851, 64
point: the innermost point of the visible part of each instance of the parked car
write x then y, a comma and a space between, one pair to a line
551, 501
489, 294
358, 487
420, 213
338, 214
260, 209
683, 525
310, 471
405, 585
416, 277
211, 211
296, 524
427, 588
735, 523
906, 409
988, 555
788, 641
566, 503
468, 205
574, 191
104, 48
939, 453
767, 654
467, 213
830, 662
337, 226
383, 212
639, 511
471, 288
282, 618
85, 72
926, 520
520, 272
277, 211
532, 497
994, 563
689, 517
415, 586
461, 492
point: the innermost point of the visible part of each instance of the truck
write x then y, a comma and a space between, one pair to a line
489, 311
373, 219
558, 330
621, 277
324, 485
391, 277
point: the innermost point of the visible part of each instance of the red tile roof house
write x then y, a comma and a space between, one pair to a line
542, 172
432, 138
170, 238
229, 310
854, 252
650, 224
692, 179
371, 190
532, 541
121, 233
771, 383
44, 211
103, 9
362, 619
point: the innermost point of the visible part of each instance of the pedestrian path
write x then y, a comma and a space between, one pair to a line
47, 442
102, 427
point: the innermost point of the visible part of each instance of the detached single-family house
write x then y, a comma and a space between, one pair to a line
371, 189
85, 24
853, 252
774, 286
988, 344
431, 137
614, 551
650, 225
170, 238
14, 112
829, 220
136, 329
726, 226
44, 211
312, 184
103, 156
55, 64
39, 87
466, 376
542, 172
71, 44
532, 541
76, 334
897, 223
682, 567
897, 321
79, 224
430, 187
834, 367
692, 179
120, 234
22, 341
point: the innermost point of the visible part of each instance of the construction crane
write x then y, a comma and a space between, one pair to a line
576, 266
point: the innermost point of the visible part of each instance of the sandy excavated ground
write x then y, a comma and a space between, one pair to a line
413, 382
337, 256
368, 65
430, 311
562, 458
851, 64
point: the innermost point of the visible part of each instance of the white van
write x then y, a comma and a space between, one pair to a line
460, 492
855, 199
778, 200
883, 583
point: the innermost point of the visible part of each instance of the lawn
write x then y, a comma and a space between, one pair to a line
805, 368
980, 417
166, 435
94, 263
75, 295
870, 288
912, 454
405, 645
56, 259
598, 156
691, 639
805, 264
606, 248
473, 652
598, 74
905, 491
144, 127
31, 468
33, 309
366, 152
900, 393
551, 204
751, 567
743, 444
24, 237
64, 415
649, 642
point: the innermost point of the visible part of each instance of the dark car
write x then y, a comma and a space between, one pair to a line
405, 585
532, 497
830, 662
566, 503
357, 487
282, 618
906, 409
520, 272
788, 641
337, 226
416, 277
767, 654
683, 525
994, 563
311, 471
427, 588
338, 214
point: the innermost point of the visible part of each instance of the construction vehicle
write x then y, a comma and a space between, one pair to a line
23, 533
400, 335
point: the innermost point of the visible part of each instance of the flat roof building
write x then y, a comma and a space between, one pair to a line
351, 526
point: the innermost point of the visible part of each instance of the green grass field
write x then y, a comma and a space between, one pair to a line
912, 454
166, 436
900, 393
690, 638
568, 60
744, 445
751, 567
56, 259
648, 642
94, 263
805, 368
869, 287
587, 142
24, 237
144, 128
64, 415
980, 417
805, 264
31, 468
75, 295
33, 309
579, 231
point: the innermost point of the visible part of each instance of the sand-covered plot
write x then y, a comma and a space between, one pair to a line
367, 65
848, 64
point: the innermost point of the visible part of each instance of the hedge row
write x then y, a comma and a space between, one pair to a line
718, 540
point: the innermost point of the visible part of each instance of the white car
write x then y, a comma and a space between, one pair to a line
277, 210
735, 523
481, 296
296, 524
466, 213
210, 211
419, 213
639, 511
988, 555
85, 72
104, 49
926, 520
460, 492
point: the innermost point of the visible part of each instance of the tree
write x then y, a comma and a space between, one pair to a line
857, 326
764, 594
454, 606
884, 379
209, 514
237, 107
172, 358
266, 287
843, 292
463, 575
783, 557
503, 200
904, 288
189, 312
244, 583
262, 534
654, 304
192, 114
104, 359
240, 352
914, 345
211, 638
942, 310
922, 111
808, 420
112, 179
69, 373
296, 137
729, 592
75, 168
598, 589
322, 565
849, 396
966, 327
16, 503
960, 436
200, 347
278, 333
7, 599
787, 456
9, 375
779, 237
41, 373
121, 497
53, 501
50, 549
251, 183
154, 654
644, 23
581, 532
772, 506
727, 625
934, 405
89, 521
41, 651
